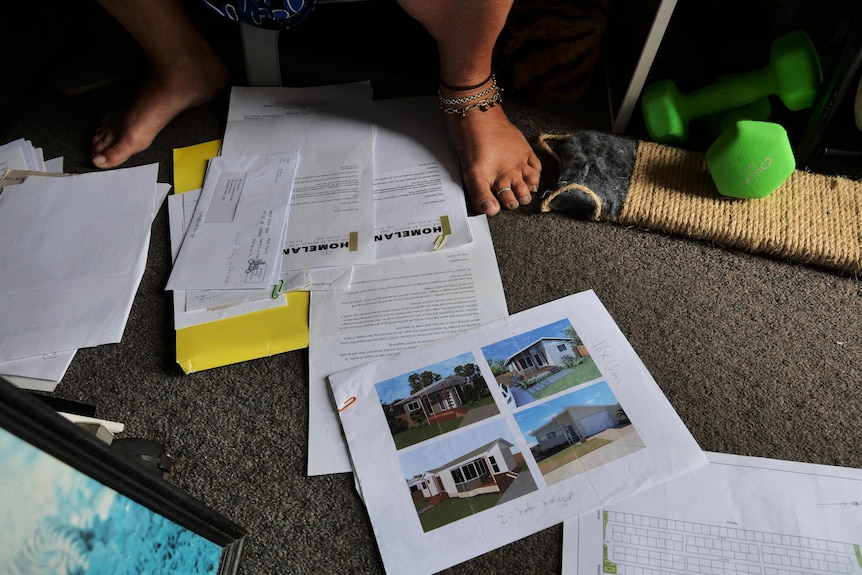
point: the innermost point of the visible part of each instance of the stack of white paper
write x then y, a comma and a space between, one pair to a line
20, 154
74, 250
237, 232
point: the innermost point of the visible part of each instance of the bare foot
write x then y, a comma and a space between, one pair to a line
494, 156
167, 92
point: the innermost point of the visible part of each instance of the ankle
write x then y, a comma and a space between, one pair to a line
461, 100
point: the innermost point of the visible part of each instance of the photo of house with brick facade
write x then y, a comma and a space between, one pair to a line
435, 399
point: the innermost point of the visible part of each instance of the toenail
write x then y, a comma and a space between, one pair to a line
513, 205
99, 159
526, 200
486, 206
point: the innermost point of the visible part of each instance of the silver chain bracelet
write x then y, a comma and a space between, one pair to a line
465, 99
482, 105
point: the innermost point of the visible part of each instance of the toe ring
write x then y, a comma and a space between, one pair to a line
501, 190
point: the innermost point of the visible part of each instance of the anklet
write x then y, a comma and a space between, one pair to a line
466, 88
481, 105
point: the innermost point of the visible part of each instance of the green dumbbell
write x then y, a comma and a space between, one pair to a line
750, 159
759, 110
793, 74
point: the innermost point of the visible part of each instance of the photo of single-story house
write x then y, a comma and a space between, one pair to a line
487, 469
543, 353
576, 423
442, 400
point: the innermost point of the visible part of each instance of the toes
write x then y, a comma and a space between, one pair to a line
513, 195
533, 175
523, 193
103, 139
113, 145
507, 196
481, 197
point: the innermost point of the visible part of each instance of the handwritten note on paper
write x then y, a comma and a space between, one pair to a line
505, 429
237, 231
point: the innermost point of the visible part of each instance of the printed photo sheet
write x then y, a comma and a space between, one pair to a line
477, 440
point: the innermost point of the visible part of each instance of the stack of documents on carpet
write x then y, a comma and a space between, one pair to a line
72, 253
374, 181
467, 428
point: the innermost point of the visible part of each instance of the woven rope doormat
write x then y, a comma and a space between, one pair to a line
810, 219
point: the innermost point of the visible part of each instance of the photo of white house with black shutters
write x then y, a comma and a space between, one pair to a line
465, 473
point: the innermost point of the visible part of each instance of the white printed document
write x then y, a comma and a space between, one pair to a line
419, 201
332, 210
735, 515
237, 232
393, 305
73, 251
488, 436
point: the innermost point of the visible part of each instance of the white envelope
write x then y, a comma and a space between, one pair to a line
236, 236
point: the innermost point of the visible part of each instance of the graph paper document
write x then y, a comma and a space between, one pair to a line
734, 516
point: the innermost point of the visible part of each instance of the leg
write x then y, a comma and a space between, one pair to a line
494, 154
184, 73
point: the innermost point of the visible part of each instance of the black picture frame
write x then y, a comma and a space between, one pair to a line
52, 438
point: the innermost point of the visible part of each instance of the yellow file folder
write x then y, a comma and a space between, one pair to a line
240, 338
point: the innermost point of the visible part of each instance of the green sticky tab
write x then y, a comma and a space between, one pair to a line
444, 223
354, 241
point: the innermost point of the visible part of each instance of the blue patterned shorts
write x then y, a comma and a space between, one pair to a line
272, 14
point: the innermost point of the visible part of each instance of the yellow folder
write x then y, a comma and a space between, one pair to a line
240, 338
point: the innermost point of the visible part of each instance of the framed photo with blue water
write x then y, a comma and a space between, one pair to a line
71, 504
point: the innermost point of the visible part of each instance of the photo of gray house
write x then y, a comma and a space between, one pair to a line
573, 432
543, 353
576, 423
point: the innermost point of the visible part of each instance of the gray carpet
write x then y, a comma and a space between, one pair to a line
759, 357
